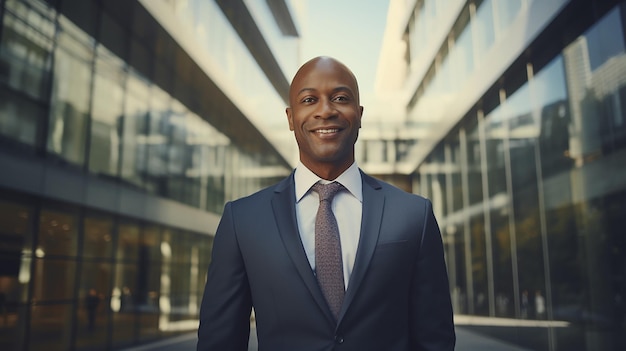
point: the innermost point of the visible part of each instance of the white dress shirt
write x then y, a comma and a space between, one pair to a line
347, 207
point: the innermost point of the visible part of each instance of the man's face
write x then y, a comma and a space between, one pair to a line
325, 114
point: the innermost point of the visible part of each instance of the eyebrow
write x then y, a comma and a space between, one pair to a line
337, 89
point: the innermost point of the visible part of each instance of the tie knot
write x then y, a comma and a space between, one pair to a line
327, 191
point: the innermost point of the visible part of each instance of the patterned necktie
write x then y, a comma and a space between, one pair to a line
328, 262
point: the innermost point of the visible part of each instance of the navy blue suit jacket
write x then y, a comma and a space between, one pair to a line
397, 297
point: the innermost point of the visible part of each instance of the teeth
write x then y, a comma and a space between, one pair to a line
327, 131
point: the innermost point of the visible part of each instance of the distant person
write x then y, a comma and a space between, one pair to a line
360, 270
525, 304
540, 305
126, 300
92, 301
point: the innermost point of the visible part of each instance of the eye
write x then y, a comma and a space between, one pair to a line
341, 98
308, 100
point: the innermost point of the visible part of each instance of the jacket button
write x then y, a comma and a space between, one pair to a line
338, 339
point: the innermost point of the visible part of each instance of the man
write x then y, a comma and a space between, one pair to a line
91, 303
394, 293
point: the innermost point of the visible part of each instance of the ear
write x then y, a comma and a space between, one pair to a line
361, 116
289, 117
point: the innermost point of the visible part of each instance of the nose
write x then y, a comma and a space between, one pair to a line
325, 109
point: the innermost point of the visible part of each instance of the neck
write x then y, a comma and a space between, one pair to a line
329, 171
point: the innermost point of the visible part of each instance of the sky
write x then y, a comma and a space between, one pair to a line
348, 30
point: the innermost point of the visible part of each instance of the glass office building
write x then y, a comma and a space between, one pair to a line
521, 106
124, 127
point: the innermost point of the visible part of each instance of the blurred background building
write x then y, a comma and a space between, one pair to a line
520, 111
126, 125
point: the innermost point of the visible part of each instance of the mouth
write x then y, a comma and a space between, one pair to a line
327, 131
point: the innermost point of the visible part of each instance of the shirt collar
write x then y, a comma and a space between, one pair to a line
350, 179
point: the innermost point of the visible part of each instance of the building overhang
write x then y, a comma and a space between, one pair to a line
283, 17
240, 18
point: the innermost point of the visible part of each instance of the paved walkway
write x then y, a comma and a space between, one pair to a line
466, 341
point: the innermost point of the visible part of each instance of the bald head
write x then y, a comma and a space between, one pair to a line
322, 64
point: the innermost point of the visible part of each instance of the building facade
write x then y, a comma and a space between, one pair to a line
124, 127
520, 109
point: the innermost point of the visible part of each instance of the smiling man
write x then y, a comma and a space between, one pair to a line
330, 258
325, 116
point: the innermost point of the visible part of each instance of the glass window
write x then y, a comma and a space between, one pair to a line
177, 153
149, 282
135, 122
108, 102
123, 297
205, 246
462, 52
25, 50
550, 97
478, 247
459, 283
15, 261
496, 145
98, 237
523, 130
128, 242
474, 163
26, 46
484, 28
597, 95
180, 291
20, 117
70, 93
585, 197
92, 312
455, 161
505, 295
53, 279
58, 234
49, 327
158, 140
506, 11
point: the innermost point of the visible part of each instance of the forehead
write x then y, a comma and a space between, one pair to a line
323, 73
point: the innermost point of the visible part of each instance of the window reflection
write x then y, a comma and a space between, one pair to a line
158, 140
27, 34
134, 126
523, 131
108, 98
98, 237
58, 233
70, 93
25, 50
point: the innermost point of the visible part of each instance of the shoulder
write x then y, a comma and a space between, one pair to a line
265, 195
391, 191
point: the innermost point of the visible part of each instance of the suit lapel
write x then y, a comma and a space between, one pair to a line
373, 204
283, 204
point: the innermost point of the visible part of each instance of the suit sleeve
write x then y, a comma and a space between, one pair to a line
432, 318
227, 302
